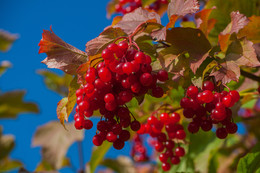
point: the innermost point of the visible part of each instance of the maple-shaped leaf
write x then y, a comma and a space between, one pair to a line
238, 21
60, 55
6, 40
186, 40
55, 141
227, 72
131, 20
251, 30
178, 8
96, 45
242, 52
159, 35
203, 22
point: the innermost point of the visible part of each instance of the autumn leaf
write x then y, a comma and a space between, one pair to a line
72, 98
4, 65
6, 40
131, 20
185, 40
251, 30
238, 21
60, 55
203, 22
177, 8
111, 8
159, 35
11, 104
62, 111
242, 53
96, 45
55, 141
228, 71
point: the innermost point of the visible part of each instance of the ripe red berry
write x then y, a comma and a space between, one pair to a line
180, 134
124, 135
169, 144
79, 123
164, 117
146, 79
127, 68
157, 92
135, 125
206, 125
185, 102
179, 151
175, 160
107, 54
231, 128
105, 74
111, 137
221, 133
166, 166
118, 144
227, 101
140, 57
193, 127
87, 124
162, 75
163, 158
174, 117
192, 92
188, 113
234, 95
97, 140
109, 98
207, 96
208, 85
159, 147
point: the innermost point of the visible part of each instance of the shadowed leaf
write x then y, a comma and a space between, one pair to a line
61, 55
12, 104
7, 165
4, 65
121, 164
72, 95
62, 111
6, 145
55, 141
252, 30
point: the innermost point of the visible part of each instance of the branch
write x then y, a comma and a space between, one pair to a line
250, 75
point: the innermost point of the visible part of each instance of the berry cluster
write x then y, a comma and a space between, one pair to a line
124, 74
127, 6
209, 107
167, 133
138, 150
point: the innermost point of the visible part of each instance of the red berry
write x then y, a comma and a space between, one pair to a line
231, 128
221, 133
87, 124
78, 123
105, 74
124, 135
174, 117
159, 147
97, 140
235, 95
123, 45
118, 144
208, 85
179, 151
135, 125
192, 91
162, 75
193, 127
227, 101
109, 98
169, 144
175, 160
180, 134
107, 54
163, 158
207, 96
166, 166
140, 57
146, 79
117, 129
206, 125
157, 92
188, 113
127, 68
111, 137
164, 117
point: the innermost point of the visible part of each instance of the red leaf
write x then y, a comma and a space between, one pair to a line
178, 8
131, 20
228, 71
159, 35
61, 55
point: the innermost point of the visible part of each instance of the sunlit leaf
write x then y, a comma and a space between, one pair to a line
4, 65
55, 141
46, 166
61, 55
62, 110
252, 30
12, 104
121, 164
72, 96
6, 145
7, 165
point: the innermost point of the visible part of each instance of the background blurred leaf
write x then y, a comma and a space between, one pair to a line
6, 165
122, 164
55, 141
6, 144
4, 65
46, 166
6, 40
11, 104
56, 82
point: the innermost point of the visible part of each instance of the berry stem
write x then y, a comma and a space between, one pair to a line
226, 87
250, 75
81, 158
123, 37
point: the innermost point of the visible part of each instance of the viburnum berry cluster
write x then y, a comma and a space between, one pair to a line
138, 150
123, 74
167, 133
127, 6
208, 107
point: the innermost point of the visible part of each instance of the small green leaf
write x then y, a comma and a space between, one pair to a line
7, 165
6, 145
147, 2
121, 164
97, 156
250, 162
4, 65
11, 104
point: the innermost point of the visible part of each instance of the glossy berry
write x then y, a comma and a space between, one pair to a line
180, 134
221, 133
234, 95
111, 137
146, 79
166, 166
97, 140
179, 151
135, 125
87, 124
208, 85
118, 144
163, 158
231, 128
192, 91
193, 127
162, 75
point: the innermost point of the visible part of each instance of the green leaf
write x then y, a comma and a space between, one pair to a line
56, 82
55, 141
250, 162
6, 40
46, 166
145, 43
147, 2
12, 104
121, 164
72, 98
97, 156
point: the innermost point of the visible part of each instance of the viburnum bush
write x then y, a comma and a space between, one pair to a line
146, 81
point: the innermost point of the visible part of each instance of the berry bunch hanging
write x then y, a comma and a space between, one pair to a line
138, 150
127, 6
209, 107
124, 73
167, 133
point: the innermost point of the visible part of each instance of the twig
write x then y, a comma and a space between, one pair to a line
81, 158
250, 75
